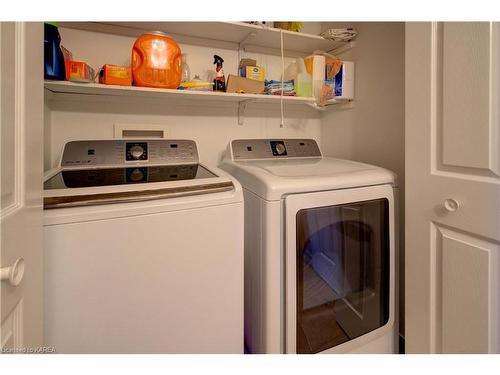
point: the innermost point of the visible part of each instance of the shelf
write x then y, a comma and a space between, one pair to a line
66, 87
230, 35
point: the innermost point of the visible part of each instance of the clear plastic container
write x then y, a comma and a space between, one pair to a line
303, 83
186, 73
291, 71
197, 84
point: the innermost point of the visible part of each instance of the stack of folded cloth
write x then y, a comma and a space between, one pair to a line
343, 35
273, 87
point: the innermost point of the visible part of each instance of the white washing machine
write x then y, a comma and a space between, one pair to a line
143, 251
319, 249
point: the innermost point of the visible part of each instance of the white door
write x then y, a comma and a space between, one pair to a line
21, 108
452, 187
340, 271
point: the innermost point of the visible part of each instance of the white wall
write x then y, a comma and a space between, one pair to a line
211, 127
373, 131
211, 124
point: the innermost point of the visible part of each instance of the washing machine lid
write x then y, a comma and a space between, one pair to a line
273, 176
95, 177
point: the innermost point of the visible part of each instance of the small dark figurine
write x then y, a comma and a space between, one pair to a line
220, 80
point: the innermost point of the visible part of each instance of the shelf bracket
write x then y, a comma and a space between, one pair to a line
338, 105
343, 48
242, 106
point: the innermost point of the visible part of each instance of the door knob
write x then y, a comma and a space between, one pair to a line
14, 274
451, 204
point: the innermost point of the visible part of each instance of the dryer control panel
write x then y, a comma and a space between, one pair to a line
252, 149
100, 153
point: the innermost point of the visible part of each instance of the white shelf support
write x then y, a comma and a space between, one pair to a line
343, 48
242, 106
332, 103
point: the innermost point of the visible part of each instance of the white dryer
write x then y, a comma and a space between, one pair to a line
319, 249
143, 251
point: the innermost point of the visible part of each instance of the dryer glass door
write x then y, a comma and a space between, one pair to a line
342, 272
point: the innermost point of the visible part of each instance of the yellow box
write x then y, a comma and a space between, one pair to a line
253, 72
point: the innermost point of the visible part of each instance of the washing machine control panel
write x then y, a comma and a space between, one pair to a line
252, 149
126, 152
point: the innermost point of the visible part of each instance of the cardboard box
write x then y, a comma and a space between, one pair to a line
79, 71
115, 75
253, 72
244, 85
247, 62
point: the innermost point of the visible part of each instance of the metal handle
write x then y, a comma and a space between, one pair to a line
451, 204
14, 274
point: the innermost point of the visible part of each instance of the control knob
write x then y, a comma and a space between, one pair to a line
136, 151
280, 148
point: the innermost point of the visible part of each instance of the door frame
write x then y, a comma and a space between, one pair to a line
297, 202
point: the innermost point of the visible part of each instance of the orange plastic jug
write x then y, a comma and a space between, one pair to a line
156, 61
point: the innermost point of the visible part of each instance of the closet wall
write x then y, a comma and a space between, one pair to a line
373, 130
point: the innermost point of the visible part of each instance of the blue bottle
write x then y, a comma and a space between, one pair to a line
53, 56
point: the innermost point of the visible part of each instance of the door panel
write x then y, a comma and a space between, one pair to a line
464, 285
21, 135
466, 62
452, 140
11, 330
